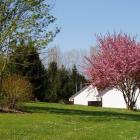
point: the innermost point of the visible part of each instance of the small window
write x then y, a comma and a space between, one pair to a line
94, 103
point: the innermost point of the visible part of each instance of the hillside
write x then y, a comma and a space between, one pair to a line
46, 121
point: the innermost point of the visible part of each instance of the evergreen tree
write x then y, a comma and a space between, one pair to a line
51, 90
74, 78
62, 82
25, 61
77, 79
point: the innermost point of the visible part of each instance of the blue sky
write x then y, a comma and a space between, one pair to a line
82, 19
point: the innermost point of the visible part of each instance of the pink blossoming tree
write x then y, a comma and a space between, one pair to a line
117, 64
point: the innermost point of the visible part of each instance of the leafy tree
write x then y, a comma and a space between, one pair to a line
23, 19
117, 64
2, 66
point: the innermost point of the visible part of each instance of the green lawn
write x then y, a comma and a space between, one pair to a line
44, 121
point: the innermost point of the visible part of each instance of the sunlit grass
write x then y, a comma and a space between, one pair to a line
46, 121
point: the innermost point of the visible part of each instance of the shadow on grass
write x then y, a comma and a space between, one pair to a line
101, 115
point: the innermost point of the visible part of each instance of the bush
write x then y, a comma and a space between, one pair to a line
61, 101
16, 90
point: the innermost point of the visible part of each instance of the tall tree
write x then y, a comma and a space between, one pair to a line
62, 82
25, 61
51, 91
77, 79
117, 64
24, 20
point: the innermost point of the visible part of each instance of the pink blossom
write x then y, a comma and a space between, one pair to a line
118, 59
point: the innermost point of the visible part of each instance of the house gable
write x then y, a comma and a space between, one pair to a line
84, 96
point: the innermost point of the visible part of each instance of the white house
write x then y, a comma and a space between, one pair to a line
110, 97
87, 96
113, 98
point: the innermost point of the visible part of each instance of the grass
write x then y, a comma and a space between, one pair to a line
45, 121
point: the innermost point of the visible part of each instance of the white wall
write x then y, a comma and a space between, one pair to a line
114, 99
138, 101
89, 94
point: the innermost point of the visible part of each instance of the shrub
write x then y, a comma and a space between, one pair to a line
16, 89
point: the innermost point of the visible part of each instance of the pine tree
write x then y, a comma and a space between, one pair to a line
51, 90
25, 61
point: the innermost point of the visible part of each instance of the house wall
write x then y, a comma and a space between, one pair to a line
114, 99
88, 94
138, 103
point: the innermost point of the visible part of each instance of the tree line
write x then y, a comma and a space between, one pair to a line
24, 32
49, 84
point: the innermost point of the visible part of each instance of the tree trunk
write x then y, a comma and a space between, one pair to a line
0, 83
129, 101
130, 107
130, 92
